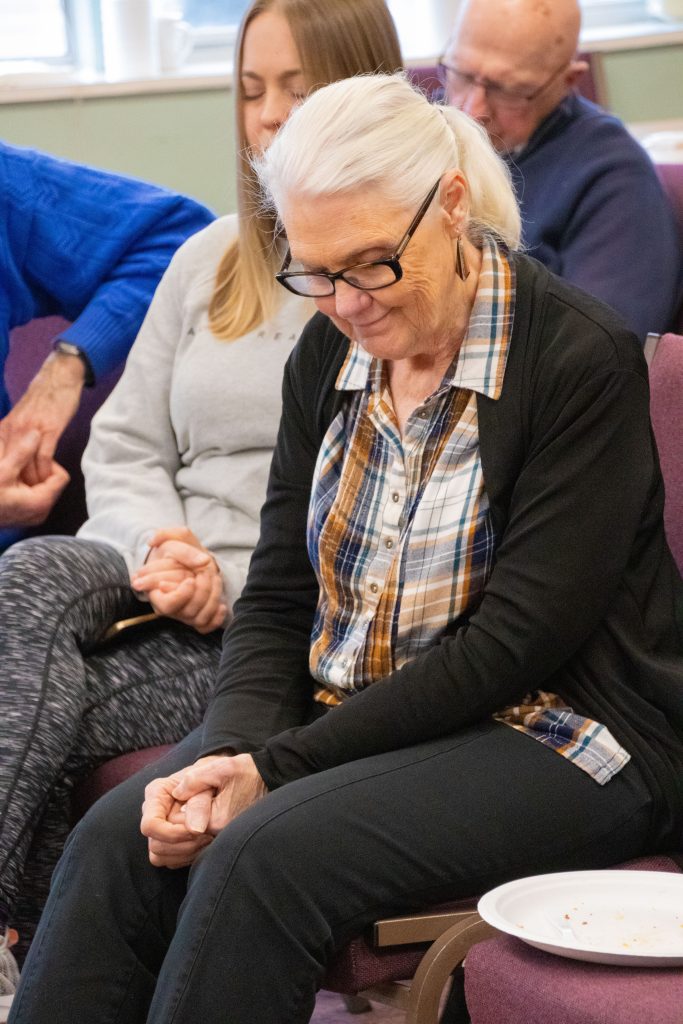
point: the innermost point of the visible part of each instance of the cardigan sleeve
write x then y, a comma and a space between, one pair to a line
264, 686
558, 566
100, 259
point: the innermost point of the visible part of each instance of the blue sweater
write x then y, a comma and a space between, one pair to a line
84, 244
594, 212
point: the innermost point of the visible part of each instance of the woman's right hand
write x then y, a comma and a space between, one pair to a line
182, 580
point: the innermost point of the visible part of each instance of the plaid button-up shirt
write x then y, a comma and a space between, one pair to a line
400, 532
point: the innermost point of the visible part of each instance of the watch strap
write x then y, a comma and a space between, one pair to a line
67, 348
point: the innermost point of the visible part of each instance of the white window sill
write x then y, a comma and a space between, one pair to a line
638, 36
40, 86
41, 83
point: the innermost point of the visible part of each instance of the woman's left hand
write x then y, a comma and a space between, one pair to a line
216, 789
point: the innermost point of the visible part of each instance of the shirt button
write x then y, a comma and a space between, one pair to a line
422, 414
344, 662
388, 543
374, 588
395, 496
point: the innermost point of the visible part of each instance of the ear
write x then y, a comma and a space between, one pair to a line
454, 200
574, 72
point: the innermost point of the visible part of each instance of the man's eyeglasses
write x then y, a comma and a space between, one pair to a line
368, 277
458, 83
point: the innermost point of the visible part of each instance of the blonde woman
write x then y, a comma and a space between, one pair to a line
176, 473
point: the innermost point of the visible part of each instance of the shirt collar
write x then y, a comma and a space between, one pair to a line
480, 365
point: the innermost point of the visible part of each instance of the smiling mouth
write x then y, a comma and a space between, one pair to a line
370, 324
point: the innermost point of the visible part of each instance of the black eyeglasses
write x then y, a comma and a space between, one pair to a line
458, 83
368, 277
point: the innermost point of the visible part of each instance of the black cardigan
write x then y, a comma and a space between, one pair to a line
582, 598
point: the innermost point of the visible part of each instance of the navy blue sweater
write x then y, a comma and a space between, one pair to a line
84, 244
594, 212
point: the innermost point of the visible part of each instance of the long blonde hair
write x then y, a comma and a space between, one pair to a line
334, 41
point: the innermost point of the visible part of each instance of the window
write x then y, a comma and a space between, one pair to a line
35, 29
69, 31
603, 13
212, 13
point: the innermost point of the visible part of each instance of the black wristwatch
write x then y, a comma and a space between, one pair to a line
67, 348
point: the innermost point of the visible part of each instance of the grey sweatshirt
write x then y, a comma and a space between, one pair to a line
186, 436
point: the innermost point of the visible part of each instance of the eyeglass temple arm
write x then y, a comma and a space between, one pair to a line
416, 220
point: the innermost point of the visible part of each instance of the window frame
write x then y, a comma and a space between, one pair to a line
602, 20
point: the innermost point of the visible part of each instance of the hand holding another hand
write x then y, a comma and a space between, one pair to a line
22, 503
182, 580
182, 813
47, 406
169, 841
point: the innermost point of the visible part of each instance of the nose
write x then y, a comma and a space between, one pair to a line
275, 109
350, 301
475, 102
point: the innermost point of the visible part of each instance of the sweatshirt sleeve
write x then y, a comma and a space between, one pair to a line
99, 259
131, 459
550, 587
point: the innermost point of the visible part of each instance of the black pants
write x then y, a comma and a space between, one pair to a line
244, 936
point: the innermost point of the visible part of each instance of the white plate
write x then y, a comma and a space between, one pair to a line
610, 917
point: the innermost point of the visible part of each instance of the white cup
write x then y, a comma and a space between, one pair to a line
175, 41
129, 39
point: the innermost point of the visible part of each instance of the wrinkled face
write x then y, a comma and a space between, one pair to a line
272, 79
413, 317
503, 60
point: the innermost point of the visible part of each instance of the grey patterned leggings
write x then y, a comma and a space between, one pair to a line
68, 702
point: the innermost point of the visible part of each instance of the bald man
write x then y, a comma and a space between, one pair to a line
592, 206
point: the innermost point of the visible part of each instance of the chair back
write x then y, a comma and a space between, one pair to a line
666, 407
427, 81
671, 177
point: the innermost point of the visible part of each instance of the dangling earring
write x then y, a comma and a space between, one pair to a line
461, 268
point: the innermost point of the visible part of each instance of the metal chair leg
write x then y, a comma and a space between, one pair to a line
436, 968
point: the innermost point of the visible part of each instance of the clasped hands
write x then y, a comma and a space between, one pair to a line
182, 813
182, 580
30, 479
26, 500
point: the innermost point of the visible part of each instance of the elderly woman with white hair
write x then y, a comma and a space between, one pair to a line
456, 660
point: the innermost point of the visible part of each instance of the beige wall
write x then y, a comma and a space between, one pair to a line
647, 84
185, 140
181, 140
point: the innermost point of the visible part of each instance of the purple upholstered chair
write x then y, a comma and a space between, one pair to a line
671, 177
508, 982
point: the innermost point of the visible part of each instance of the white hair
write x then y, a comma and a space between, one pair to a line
377, 130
